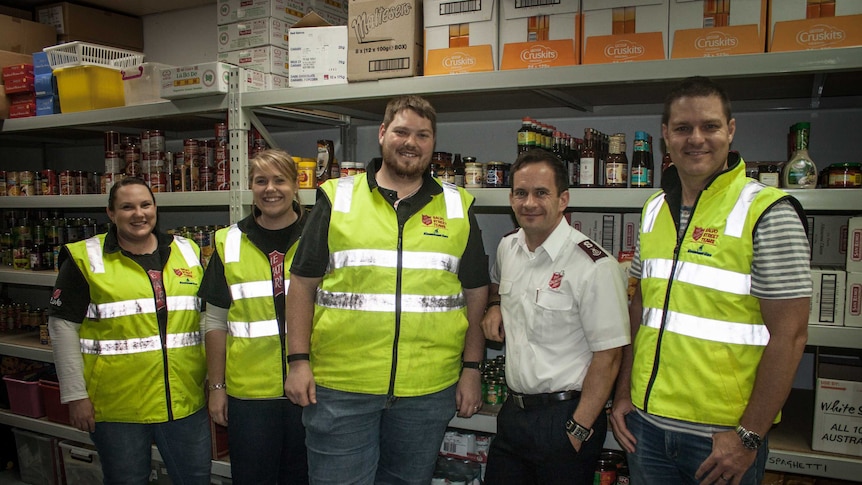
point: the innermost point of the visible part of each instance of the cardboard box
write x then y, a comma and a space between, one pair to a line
266, 59
602, 228
838, 405
827, 296
701, 28
204, 79
631, 228
384, 39
247, 34
853, 301
236, 10
24, 36
317, 53
77, 22
828, 238
334, 7
41, 64
331, 17
274, 81
539, 35
460, 36
854, 245
624, 30
805, 24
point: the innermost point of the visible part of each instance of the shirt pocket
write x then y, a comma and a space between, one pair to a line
553, 314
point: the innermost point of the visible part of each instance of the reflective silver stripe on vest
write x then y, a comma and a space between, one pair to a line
696, 274
139, 345
186, 250
232, 244
140, 306
251, 289
263, 328
371, 302
708, 329
343, 195
736, 218
94, 254
651, 213
389, 259
454, 209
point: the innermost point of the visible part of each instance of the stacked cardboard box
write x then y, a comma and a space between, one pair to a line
19, 83
534, 35
45, 86
853, 302
461, 36
93, 25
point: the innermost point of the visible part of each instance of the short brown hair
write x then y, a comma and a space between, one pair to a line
417, 104
696, 87
539, 155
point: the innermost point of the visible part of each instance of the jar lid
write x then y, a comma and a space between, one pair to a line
846, 165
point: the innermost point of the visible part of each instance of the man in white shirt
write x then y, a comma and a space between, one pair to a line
558, 299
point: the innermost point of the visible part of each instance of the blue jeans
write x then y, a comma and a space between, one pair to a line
267, 442
663, 457
126, 456
375, 439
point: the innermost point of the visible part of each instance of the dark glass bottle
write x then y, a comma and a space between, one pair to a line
588, 166
459, 169
641, 176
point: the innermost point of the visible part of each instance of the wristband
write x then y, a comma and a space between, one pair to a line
295, 357
470, 364
217, 386
490, 304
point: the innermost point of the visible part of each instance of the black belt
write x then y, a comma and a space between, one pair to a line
527, 401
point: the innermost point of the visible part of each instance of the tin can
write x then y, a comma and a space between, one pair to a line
50, 182
208, 148
222, 179
157, 141
37, 182
158, 181
114, 163
221, 133
81, 184
93, 182
25, 183
145, 141
207, 178
112, 142
2, 183
12, 187
307, 174
67, 183
133, 161
190, 152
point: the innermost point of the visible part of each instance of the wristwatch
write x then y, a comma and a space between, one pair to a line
577, 431
750, 439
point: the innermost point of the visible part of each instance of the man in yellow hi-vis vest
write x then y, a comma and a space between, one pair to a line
388, 287
720, 313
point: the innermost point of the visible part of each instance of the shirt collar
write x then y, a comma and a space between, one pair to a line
553, 244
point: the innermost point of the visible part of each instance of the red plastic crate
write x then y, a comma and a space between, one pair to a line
24, 395
54, 409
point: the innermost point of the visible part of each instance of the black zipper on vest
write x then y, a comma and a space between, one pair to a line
399, 274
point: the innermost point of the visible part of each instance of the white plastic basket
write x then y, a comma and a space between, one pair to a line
79, 53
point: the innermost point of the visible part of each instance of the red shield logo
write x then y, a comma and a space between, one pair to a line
427, 220
556, 279
698, 232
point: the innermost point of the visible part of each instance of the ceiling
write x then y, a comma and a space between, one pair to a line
129, 7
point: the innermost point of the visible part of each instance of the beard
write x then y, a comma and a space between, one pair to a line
411, 169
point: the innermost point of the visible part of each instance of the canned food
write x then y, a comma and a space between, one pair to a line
112, 142
50, 182
2, 183
25, 183
81, 183
221, 133
158, 181
133, 161
12, 188
222, 179
145, 141
207, 177
157, 141
67, 183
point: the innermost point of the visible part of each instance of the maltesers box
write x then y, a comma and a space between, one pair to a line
384, 39
827, 296
828, 238
624, 30
460, 36
796, 25
853, 302
266, 59
603, 228
838, 405
709, 28
244, 10
854, 245
77, 22
318, 53
536, 34
24, 36
205, 79
247, 34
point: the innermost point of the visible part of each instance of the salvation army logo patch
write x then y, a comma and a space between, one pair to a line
556, 280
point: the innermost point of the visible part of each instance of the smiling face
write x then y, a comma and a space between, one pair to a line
698, 136
133, 212
537, 202
407, 144
273, 193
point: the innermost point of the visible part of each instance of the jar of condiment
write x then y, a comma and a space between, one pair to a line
769, 175
307, 174
473, 175
845, 176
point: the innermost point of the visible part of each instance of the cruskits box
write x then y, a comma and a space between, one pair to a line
460, 36
384, 39
796, 25
624, 30
539, 34
709, 28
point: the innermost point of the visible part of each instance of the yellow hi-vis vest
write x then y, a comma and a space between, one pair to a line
133, 373
390, 315
702, 335
254, 361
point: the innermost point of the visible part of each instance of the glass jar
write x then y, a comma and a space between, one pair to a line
845, 176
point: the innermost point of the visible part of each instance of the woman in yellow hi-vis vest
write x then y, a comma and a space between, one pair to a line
125, 325
245, 287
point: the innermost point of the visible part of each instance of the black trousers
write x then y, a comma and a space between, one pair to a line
532, 447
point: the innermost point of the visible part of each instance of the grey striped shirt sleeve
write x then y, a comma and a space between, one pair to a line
781, 267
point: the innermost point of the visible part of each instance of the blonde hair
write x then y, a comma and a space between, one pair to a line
278, 161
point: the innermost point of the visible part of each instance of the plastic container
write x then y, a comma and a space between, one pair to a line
54, 409
81, 463
38, 458
72, 54
142, 84
24, 395
83, 88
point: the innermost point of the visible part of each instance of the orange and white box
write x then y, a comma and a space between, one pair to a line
460, 36
539, 34
853, 304
266, 59
798, 25
624, 30
253, 33
854, 245
230, 11
710, 28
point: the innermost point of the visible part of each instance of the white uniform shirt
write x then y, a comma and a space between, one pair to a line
560, 304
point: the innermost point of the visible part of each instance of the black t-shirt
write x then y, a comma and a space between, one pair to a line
312, 255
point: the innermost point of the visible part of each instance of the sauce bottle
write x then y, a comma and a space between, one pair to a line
800, 172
